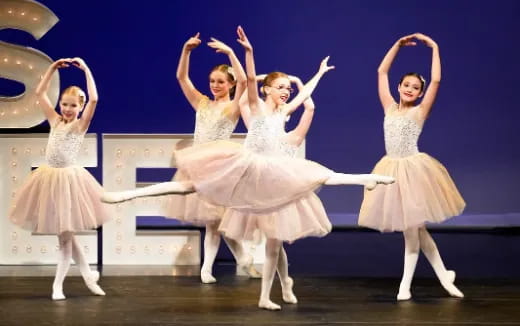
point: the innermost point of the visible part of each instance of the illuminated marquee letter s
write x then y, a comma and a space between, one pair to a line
25, 64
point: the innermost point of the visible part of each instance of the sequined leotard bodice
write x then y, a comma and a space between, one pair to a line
63, 145
265, 134
211, 124
402, 132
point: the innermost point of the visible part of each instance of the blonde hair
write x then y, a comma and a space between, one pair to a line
230, 74
76, 91
268, 80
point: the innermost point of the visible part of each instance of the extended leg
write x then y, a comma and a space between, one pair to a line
368, 180
164, 188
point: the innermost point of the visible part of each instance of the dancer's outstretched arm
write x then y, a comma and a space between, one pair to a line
240, 75
93, 97
43, 87
245, 111
431, 91
385, 96
298, 134
252, 89
192, 94
307, 90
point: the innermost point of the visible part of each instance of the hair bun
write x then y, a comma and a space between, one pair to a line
231, 71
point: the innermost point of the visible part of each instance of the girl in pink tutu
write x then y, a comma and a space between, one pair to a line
424, 191
271, 225
257, 179
215, 119
60, 197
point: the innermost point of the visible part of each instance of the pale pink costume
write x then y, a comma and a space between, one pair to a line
423, 191
60, 196
262, 188
210, 125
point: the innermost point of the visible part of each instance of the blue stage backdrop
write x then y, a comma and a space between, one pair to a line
132, 48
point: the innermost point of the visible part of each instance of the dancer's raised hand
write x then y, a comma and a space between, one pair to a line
407, 40
219, 46
324, 67
425, 39
242, 39
192, 42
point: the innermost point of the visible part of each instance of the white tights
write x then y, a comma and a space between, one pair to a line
70, 248
417, 239
174, 187
163, 188
275, 260
368, 180
211, 245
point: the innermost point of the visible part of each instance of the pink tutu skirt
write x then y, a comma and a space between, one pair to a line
57, 200
191, 208
301, 218
272, 193
423, 192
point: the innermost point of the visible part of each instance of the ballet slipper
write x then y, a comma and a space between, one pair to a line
248, 268
114, 197
91, 282
268, 305
287, 291
447, 284
57, 294
207, 278
404, 295
376, 179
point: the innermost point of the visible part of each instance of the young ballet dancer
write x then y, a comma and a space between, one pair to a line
424, 191
214, 119
256, 225
254, 178
60, 197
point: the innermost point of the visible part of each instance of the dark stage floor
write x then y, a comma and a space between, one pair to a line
145, 300
347, 278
